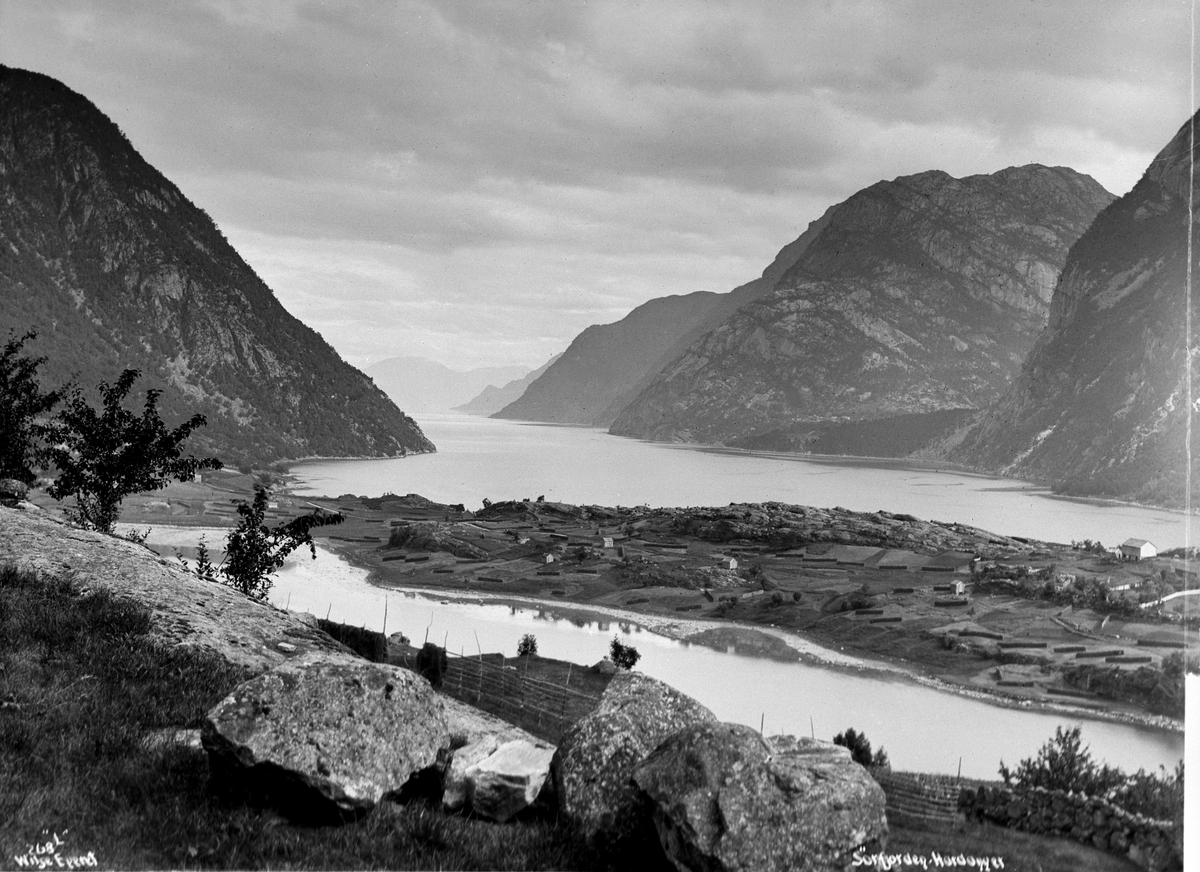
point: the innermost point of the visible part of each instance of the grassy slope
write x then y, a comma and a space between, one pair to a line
81, 686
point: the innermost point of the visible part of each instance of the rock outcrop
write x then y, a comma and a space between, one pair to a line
918, 295
326, 736
597, 755
185, 610
1100, 407
115, 268
725, 799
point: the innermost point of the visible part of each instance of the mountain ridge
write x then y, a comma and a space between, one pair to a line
115, 268
921, 294
1098, 408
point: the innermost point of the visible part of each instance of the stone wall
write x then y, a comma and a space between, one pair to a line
1152, 844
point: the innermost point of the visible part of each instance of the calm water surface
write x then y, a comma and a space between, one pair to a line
481, 457
922, 729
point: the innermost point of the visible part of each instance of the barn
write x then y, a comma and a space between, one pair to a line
1137, 549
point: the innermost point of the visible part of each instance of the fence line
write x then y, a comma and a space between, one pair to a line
544, 708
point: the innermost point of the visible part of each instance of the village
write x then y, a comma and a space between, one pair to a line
1075, 625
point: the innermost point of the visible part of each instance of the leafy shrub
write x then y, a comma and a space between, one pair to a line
527, 645
253, 551
1064, 763
22, 402
103, 457
860, 749
432, 663
624, 656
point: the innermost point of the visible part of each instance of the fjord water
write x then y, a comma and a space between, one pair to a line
922, 729
501, 460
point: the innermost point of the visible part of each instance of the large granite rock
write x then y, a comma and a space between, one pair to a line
326, 736
598, 754
509, 779
725, 799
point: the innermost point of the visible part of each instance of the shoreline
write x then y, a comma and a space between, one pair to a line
808, 651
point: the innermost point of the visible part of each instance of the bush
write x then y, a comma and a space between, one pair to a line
624, 656
432, 663
860, 749
1063, 763
253, 551
527, 645
103, 457
21, 404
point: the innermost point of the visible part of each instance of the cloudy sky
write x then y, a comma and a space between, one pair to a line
477, 182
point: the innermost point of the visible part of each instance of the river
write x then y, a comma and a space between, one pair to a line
921, 728
481, 457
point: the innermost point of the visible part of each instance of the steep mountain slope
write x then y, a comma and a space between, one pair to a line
918, 295
604, 360
492, 399
607, 365
421, 385
115, 268
1100, 404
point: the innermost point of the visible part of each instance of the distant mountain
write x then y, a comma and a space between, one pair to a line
1100, 404
427, 386
607, 365
115, 268
492, 399
914, 296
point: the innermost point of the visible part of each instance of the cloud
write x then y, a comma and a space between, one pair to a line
575, 159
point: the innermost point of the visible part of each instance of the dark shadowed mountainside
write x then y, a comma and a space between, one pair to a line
916, 296
492, 399
115, 268
607, 365
1100, 405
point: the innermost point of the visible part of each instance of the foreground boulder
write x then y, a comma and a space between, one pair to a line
725, 799
326, 736
474, 736
509, 779
597, 755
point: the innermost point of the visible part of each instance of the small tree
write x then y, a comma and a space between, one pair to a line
624, 656
22, 403
253, 551
527, 645
860, 749
432, 663
103, 457
1064, 763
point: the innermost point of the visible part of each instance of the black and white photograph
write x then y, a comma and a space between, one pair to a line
599, 435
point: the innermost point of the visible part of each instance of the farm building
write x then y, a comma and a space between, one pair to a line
1137, 549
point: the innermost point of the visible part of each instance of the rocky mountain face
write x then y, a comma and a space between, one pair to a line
608, 365
1100, 406
492, 399
604, 361
916, 296
421, 385
115, 268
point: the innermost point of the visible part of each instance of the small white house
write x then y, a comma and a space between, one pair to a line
549, 558
606, 542
727, 562
1137, 549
